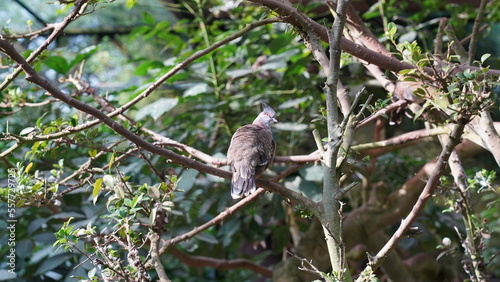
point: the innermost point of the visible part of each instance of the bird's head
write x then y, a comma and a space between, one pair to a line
267, 117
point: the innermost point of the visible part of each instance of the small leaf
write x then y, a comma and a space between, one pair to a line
154, 192
129, 4
73, 121
36, 187
27, 130
485, 57
119, 191
39, 120
96, 190
197, 89
148, 18
109, 181
167, 205
468, 74
93, 153
111, 161
92, 272
152, 216
28, 167
419, 112
137, 199
391, 29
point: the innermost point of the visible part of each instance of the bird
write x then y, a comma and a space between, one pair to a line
250, 152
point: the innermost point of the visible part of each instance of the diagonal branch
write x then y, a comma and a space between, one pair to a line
7, 48
291, 15
424, 197
222, 264
34, 77
77, 11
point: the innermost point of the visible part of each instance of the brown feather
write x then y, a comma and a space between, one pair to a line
251, 151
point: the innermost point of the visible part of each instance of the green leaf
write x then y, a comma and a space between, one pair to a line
96, 190
391, 29
57, 63
37, 187
419, 112
157, 108
111, 161
73, 120
485, 57
154, 192
39, 120
27, 130
93, 153
197, 89
144, 67
137, 199
129, 4
148, 18
85, 53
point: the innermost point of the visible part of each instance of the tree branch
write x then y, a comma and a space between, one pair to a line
222, 264
294, 17
476, 32
155, 256
8, 49
77, 11
34, 77
424, 197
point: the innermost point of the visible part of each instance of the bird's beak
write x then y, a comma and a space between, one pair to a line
275, 120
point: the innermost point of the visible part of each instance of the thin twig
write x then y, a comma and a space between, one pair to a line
308, 266
476, 32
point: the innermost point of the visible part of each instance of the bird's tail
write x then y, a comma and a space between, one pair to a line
242, 183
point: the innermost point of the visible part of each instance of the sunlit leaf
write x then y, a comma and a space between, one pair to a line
157, 108
27, 130
96, 190
28, 167
93, 153
485, 57
197, 89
